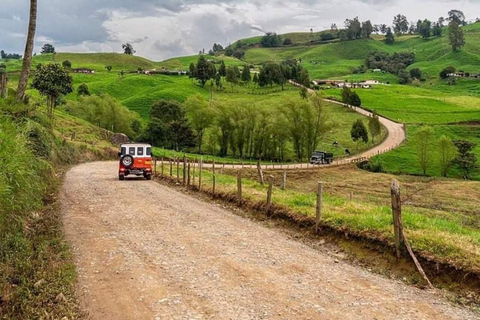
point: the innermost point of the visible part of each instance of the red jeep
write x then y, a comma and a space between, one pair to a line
135, 159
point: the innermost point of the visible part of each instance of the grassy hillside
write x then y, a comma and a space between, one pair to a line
337, 58
36, 265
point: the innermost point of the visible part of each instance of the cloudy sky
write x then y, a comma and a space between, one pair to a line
159, 29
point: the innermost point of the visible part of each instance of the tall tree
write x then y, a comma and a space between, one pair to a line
374, 125
246, 76
47, 48
52, 80
400, 24
389, 38
223, 69
367, 29
205, 70
456, 16
456, 36
447, 154
27, 56
128, 49
424, 142
466, 159
231, 76
346, 93
201, 116
359, 132
424, 28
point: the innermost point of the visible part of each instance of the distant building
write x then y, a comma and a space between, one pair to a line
84, 70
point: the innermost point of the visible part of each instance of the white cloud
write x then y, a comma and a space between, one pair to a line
159, 29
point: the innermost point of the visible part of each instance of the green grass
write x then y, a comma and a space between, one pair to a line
404, 159
414, 105
441, 235
36, 264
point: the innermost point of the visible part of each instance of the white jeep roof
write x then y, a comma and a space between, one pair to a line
126, 145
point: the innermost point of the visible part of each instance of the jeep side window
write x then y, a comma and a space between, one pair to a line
131, 151
124, 151
140, 151
149, 151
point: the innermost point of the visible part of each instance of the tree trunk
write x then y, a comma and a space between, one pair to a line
27, 57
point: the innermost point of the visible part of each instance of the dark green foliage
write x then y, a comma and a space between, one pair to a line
404, 77
128, 49
192, 73
105, 112
231, 76
52, 80
327, 36
66, 64
223, 69
374, 125
109, 68
287, 42
12, 56
47, 48
400, 24
437, 30
466, 160
271, 39
389, 38
424, 28
457, 17
416, 73
205, 70
346, 93
355, 100
168, 126
448, 70
390, 63
353, 29
246, 76
456, 36
83, 90
359, 132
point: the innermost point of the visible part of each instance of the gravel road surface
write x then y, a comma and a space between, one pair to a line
146, 251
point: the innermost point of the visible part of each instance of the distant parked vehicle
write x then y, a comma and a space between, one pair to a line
135, 159
321, 157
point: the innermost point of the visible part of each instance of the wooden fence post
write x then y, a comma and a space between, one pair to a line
269, 192
239, 187
193, 175
214, 183
319, 205
200, 174
188, 175
154, 167
397, 216
260, 172
223, 169
213, 167
284, 181
178, 169
184, 170
163, 171
171, 167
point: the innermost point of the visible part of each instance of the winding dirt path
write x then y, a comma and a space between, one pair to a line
145, 251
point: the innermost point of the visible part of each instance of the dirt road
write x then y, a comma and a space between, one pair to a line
145, 251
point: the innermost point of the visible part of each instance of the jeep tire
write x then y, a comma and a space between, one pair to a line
127, 161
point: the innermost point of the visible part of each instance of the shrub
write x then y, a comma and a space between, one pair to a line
66, 64
104, 111
445, 72
83, 90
